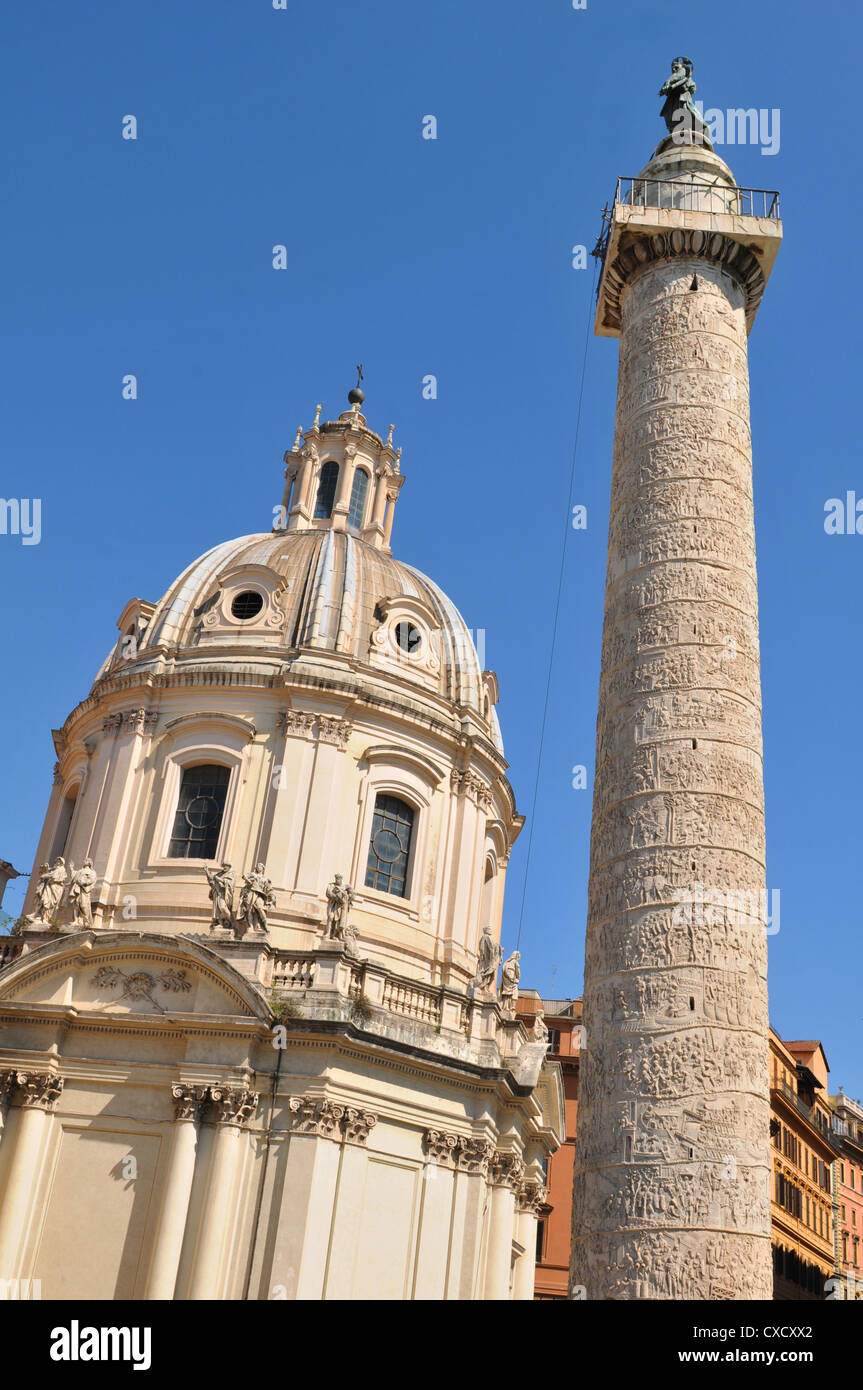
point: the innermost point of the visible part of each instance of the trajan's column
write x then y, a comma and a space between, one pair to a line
672, 1156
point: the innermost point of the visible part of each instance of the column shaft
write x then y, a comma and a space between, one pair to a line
499, 1254
525, 1269
175, 1208
22, 1186
673, 1148
232, 1108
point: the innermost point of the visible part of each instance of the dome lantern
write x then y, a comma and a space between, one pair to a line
342, 476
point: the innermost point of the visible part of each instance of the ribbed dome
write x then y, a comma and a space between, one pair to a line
330, 593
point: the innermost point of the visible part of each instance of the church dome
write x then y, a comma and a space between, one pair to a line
303, 708
320, 596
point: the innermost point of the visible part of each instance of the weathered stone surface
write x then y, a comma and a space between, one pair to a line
671, 1197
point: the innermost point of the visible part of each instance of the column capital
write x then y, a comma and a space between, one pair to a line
357, 1125
36, 1090
530, 1196
507, 1168
188, 1100
474, 1155
316, 1116
441, 1146
7, 1086
327, 1119
232, 1105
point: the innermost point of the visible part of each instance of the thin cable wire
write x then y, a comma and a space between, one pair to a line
590, 312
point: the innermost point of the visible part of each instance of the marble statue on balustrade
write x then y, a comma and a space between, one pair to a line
540, 1030
488, 960
222, 885
340, 897
256, 898
49, 893
509, 978
81, 884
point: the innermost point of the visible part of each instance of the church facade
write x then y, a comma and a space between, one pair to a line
252, 1044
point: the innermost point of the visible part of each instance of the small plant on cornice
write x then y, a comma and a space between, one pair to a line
287, 1010
361, 1011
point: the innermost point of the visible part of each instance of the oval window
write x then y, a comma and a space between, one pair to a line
247, 605
408, 637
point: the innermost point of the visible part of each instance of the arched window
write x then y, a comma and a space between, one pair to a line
199, 812
488, 894
64, 824
359, 491
326, 490
390, 846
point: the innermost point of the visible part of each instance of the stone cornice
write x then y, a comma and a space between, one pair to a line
372, 695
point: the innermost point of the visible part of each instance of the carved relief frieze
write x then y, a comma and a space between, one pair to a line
694, 1194
666, 1266
139, 985
678, 819
673, 1095
677, 766
662, 463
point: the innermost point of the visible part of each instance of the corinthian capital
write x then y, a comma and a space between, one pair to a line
315, 1116
474, 1155
233, 1105
37, 1090
530, 1196
188, 1101
441, 1146
507, 1168
331, 729
357, 1125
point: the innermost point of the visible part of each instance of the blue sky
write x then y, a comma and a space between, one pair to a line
449, 257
